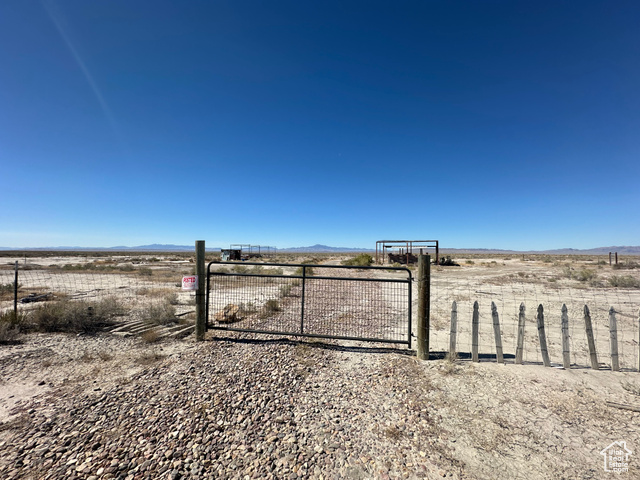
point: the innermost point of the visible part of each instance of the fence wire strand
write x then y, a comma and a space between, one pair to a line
551, 292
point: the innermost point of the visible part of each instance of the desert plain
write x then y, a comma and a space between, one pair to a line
124, 404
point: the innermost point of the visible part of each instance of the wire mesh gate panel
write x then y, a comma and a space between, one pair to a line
328, 301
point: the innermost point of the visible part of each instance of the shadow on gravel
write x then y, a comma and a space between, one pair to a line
467, 356
318, 344
509, 358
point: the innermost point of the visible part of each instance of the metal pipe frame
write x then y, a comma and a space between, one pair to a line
383, 245
304, 277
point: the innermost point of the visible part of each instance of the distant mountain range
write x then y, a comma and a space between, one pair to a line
323, 249
622, 250
141, 248
626, 250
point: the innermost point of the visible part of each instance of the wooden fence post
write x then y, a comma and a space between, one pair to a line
424, 280
201, 320
590, 339
566, 354
613, 335
520, 345
496, 332
475, 324
454, 330
543, 337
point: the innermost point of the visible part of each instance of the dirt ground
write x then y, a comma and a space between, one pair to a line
402, 418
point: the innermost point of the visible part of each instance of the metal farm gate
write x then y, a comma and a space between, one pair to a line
327, 301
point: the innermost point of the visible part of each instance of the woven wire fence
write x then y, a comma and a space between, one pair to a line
552, 292
136, 290
338, 302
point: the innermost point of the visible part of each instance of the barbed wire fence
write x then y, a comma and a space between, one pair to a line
534, 290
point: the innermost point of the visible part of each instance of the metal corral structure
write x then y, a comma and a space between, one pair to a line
404, 251
248, 251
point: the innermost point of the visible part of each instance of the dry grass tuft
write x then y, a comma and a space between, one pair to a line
150, 336
160, 313
9, 328
633, 388
86, 357
105, 356
150, 356
393, 432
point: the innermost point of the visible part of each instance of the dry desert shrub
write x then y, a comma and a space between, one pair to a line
624, 281
7, 291
9, 329
160, 313
285, 290
260, 270
271, 307
105, 356
393, 432
633, 388
630, 264
360, 260
150, 356
86, 357
72, 316
145, 271
168, 294
449, 366
308, 271
150, 336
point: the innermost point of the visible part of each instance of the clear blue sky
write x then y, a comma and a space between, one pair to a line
487, 124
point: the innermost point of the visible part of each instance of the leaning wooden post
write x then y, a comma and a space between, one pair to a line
520, 345
475, 327
454, 330
590, 339
566, 354
201, 320
543, 337
639, 340
424, 272
613, 335
496, 332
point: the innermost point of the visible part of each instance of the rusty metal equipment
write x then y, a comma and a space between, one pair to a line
404, 252
228, 254
248, 251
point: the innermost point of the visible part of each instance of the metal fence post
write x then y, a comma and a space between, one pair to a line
200, 292
424, 280
15, 295
304, 277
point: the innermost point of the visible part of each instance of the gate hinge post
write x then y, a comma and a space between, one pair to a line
201, 319
424, 280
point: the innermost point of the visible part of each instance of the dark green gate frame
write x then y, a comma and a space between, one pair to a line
304, 279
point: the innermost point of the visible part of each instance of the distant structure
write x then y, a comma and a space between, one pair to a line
243, 251
228, 254
404, 252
